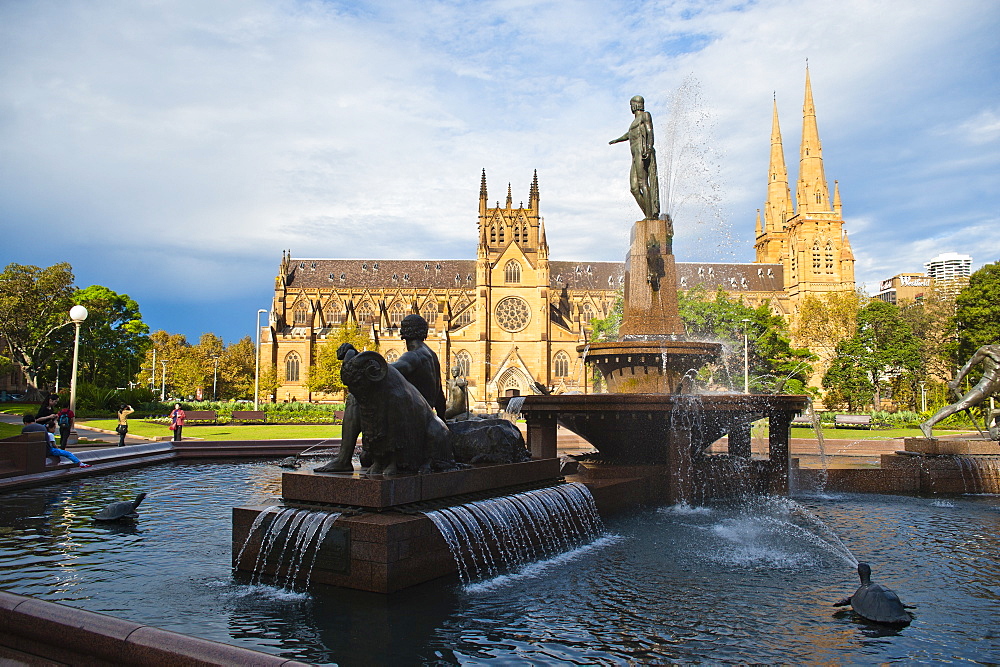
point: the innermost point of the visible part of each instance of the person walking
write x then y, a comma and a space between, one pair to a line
66, 419
177, 421
123, 412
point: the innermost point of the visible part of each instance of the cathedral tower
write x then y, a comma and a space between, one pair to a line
808, 240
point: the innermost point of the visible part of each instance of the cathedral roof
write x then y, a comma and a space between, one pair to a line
382, 273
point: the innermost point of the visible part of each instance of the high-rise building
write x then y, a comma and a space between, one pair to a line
949, 266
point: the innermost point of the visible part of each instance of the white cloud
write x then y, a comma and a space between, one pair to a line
199, 139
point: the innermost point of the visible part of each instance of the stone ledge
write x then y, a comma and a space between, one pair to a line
69, 635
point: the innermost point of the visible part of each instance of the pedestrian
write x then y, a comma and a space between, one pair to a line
177, 421
46, 411
50, 434
66, 419
30, 425
123, 412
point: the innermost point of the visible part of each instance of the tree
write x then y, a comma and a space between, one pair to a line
821, 323
113, 338
977, 311
34, 311
933, 322
882, 351
269, 384
236, 370
772, 359
324, 374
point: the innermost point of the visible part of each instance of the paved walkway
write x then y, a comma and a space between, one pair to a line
101, 438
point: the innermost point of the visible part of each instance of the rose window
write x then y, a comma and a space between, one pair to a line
513, 313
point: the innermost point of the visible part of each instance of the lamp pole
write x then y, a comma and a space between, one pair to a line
152, 375
163, 381
923, 397
77, 314
746, 358
215, 377
256, 373
57, 377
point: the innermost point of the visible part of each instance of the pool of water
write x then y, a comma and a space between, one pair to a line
713, 583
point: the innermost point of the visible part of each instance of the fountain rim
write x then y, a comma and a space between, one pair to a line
661, 402
672, 347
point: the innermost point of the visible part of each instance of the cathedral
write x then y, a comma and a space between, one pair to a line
512, 318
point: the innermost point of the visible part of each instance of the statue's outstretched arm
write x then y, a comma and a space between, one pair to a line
624, 137
976, 358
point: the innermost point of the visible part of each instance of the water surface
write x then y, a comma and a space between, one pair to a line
753, 584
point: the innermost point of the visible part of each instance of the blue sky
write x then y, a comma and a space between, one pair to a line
170, 150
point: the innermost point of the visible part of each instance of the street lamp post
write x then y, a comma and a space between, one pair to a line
163, 381
746, 358
256, 373
923, 397
215, 377
77, 314
57, 377
152, 375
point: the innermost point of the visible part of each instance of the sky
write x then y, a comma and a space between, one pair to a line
171, 149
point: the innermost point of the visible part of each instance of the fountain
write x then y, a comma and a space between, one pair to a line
649, 424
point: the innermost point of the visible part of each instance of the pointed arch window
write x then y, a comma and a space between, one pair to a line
828, 257
819, 198
463, 318
560, 365
300, 316
501, 231
586, 313
430, 312
817, 260
493, 234
334, 313
396, 314
292, 364
512, 272
365, 313
464, 362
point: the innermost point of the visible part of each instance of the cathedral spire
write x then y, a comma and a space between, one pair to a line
813, 195
837, 206
778, 206
510, 199
483, 204
533, 193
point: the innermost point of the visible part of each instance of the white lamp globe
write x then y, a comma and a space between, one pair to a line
78, 313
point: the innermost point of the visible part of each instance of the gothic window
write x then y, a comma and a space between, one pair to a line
586, 312
560, 365
819, 198
501, 234
513, 313
829, 257
333, 313
391, 356
517, 233
300, 316
493, 234
464, 362
292, 367
463, 318
430, 312
365, 313
817, 261
396, 314
512, 272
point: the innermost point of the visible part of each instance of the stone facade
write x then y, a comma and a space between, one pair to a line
513, 317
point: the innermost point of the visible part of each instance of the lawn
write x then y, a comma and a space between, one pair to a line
831, 433
226, 432
9, 430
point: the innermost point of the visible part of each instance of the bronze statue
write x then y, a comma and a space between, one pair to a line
643, 181
419, 365
401, 431
458, 395
989, 357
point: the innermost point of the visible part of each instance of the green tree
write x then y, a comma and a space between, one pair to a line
883, 352
933, 322
269, 384
34, 312
236, 370
606, 328
113, 339
977, 311
324, 374
183, 370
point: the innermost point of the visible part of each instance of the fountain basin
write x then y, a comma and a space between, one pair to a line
648, 366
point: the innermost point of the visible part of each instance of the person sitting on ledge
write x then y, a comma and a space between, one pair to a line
50, 434
30, 425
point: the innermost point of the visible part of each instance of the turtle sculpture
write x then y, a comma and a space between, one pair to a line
290, 462
123, 509
876, 602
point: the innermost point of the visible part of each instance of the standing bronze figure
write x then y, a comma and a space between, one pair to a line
643, 181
